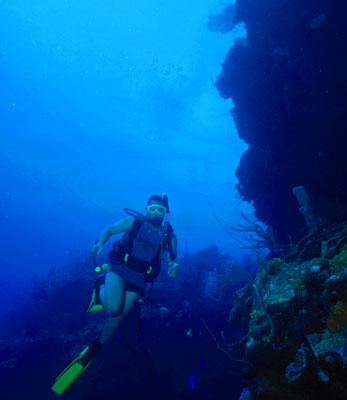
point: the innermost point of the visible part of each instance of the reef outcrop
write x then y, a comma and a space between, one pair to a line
287, 81
294, 317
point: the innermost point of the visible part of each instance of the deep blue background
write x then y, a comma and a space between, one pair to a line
102, 105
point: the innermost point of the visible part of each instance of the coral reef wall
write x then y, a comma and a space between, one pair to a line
288, 84
294, 318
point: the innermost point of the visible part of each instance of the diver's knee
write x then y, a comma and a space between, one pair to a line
112, 308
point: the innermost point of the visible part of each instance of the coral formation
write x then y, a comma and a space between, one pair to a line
296, 323
288, 89
228, 275
141, 361
338, 317
339, 262
259, 238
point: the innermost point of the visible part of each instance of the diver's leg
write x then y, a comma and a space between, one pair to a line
112, 292
102, 293
112, 297
130, 298
113, 322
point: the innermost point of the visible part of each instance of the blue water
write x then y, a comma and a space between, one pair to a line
103, 105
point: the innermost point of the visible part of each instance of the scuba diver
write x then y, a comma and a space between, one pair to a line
134, 260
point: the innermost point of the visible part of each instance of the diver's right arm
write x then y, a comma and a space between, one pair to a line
117, 227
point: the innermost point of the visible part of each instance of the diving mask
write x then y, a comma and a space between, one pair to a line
156, 209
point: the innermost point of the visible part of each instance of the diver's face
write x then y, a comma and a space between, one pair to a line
155, 213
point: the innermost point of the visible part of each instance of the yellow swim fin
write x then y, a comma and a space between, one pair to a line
95, 302
76, 367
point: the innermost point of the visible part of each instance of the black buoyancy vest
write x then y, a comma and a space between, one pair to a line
122, 251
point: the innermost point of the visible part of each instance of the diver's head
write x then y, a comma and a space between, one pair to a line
156, 209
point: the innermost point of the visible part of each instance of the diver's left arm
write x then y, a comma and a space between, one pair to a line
173, 262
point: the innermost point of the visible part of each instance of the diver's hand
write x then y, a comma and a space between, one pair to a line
96, 249
174, 268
